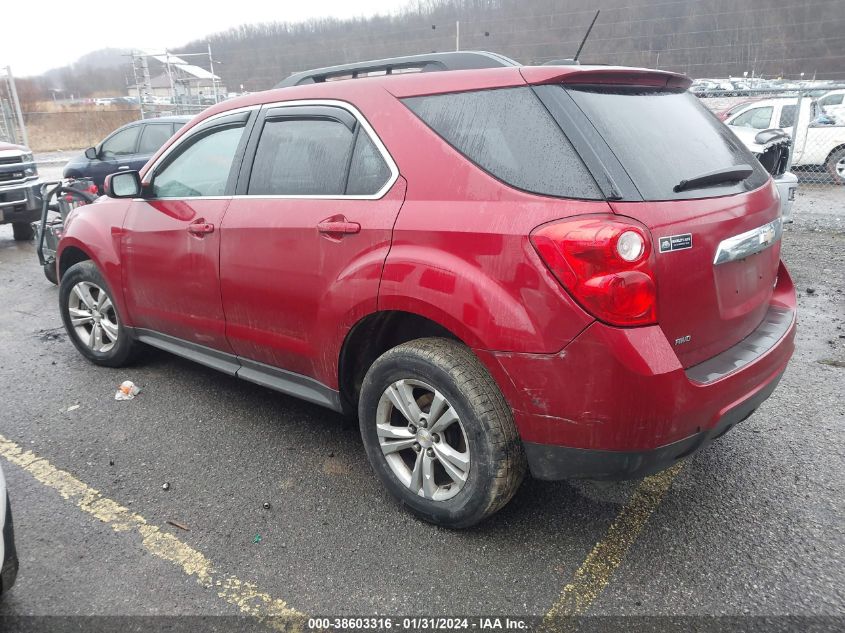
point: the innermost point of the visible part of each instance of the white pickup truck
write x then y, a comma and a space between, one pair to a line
816, 144
20, 190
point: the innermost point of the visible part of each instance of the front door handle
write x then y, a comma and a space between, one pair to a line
123, 167
338, 226
200, 227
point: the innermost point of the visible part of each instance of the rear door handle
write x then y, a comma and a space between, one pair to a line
339, 226
123, 167
200, 227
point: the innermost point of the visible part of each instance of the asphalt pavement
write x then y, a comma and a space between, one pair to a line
753, 525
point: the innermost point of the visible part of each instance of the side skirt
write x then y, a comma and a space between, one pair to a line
286, 382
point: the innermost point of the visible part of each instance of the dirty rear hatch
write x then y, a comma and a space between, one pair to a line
648, 136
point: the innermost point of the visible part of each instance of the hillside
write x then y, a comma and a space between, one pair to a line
698, 37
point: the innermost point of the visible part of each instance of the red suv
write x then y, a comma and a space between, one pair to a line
570, 269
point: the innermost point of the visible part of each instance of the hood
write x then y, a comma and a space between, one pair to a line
8, 147
771, 147
759, 141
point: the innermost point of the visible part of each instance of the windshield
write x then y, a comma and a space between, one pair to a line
665, 137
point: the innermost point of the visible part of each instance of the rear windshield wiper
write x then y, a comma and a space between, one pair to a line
735, 173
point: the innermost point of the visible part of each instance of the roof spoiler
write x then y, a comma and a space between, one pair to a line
634, 77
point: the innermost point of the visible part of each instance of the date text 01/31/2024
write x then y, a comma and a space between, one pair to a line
418, 623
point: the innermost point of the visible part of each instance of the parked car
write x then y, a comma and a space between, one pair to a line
8, 554
20, 190
771, 147
818, 143
733, 109
128, 147
831, 103
573, 269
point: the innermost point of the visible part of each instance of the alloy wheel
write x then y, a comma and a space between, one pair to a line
423, 440
93, 317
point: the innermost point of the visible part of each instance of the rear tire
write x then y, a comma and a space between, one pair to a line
454, 456
836, 166
90, 317
22, 231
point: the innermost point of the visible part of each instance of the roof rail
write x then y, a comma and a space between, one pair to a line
432, 62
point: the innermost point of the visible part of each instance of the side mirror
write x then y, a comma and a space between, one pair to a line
123, 184
91, 153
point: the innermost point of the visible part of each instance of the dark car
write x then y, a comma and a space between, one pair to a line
127, 148
573, 269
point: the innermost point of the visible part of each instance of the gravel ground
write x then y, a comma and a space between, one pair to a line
752, 525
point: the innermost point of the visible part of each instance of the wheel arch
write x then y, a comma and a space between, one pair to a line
71, 255
373, 335
830, 154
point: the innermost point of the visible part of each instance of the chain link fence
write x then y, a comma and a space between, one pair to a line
813, 116
11, 120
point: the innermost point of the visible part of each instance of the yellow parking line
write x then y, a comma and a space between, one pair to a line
244, 595
597, 569
576, 598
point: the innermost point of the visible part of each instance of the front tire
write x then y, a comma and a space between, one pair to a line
90, 317
439, 434
22, 231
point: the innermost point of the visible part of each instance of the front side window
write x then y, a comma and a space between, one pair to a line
757, 118
508, 133
831, 100
121, 143
301, 157
153, 137
202, 167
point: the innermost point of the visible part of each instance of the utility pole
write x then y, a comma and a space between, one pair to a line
457, 35
170, 78
211, 67
17, 105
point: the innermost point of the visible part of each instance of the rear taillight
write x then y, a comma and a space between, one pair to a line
605, 264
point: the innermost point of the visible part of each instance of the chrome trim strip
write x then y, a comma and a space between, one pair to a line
380, 146
11, 185
748, 243
12, 203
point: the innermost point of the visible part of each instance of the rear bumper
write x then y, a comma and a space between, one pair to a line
617, 403
560, 462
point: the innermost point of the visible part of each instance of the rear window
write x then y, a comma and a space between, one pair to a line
663, 137
509, 133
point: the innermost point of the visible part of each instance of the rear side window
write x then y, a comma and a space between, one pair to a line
153, 137
301, 157
787, 116
368, 172
509, 133
662, 137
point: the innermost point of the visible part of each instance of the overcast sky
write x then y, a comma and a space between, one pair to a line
64, 32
